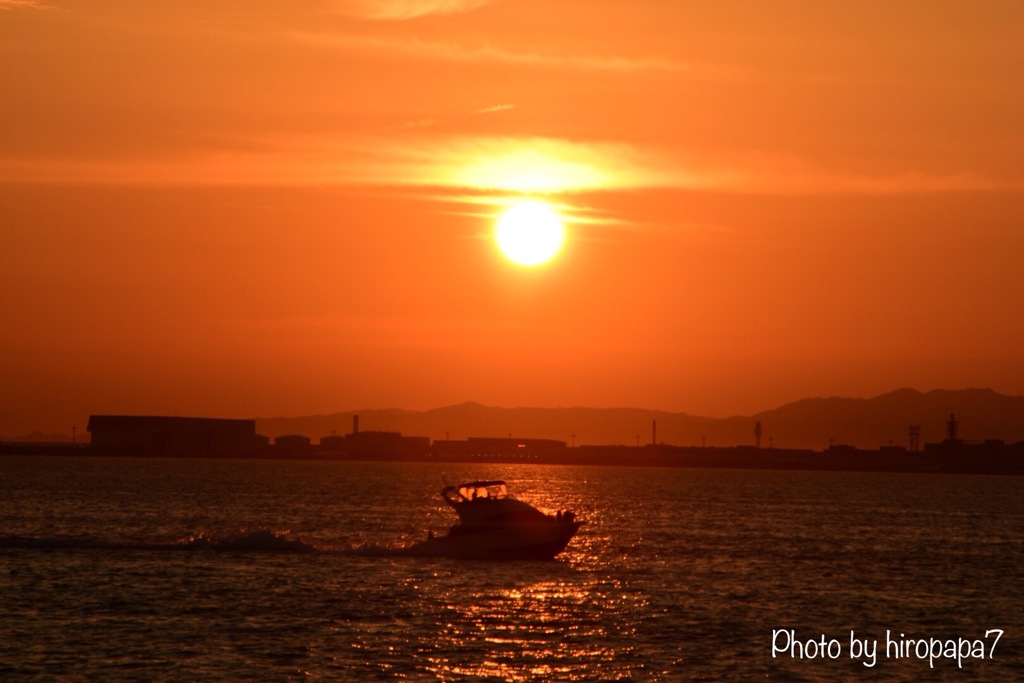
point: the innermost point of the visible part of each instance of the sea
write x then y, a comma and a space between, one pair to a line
269, 570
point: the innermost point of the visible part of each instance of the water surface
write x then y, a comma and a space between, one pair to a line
189, 569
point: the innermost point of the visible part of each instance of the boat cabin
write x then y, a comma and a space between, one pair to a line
488, 503
477, 490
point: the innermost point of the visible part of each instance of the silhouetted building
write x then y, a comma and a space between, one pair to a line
171, 436
332, 444
385, 444
262, 444
292, 444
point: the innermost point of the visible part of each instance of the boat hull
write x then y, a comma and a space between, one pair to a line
533, 540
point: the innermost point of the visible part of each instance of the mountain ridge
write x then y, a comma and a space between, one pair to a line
814, 422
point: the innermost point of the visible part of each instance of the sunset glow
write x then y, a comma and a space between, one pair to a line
243, 209
532, 170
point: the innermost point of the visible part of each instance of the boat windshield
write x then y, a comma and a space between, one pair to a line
494, 490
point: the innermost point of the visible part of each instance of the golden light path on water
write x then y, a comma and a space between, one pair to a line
526, 629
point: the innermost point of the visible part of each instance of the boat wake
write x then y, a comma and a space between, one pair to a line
259, 540
375, 550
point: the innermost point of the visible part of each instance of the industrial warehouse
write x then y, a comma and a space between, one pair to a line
172, 436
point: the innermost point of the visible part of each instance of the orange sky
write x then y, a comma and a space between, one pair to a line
260, 208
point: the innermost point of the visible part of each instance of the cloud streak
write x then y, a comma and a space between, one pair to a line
403, 10
430, 122
22, 4
490, 164
506, 164
489, 53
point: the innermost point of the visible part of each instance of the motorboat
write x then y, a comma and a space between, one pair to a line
494, 525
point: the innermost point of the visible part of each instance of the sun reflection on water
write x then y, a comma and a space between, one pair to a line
566, 628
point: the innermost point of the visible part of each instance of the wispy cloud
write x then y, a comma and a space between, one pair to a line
420, 123
488, 53
513, 164
430, 121
508, 164
492, 164
495, 108
402, 10
22, 4
787, 175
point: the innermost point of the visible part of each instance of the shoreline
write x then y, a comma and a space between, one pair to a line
935, 459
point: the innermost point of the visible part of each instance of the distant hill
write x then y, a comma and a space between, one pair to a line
808, 423
869, 423
39, 437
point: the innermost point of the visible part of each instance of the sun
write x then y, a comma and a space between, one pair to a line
529, 233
